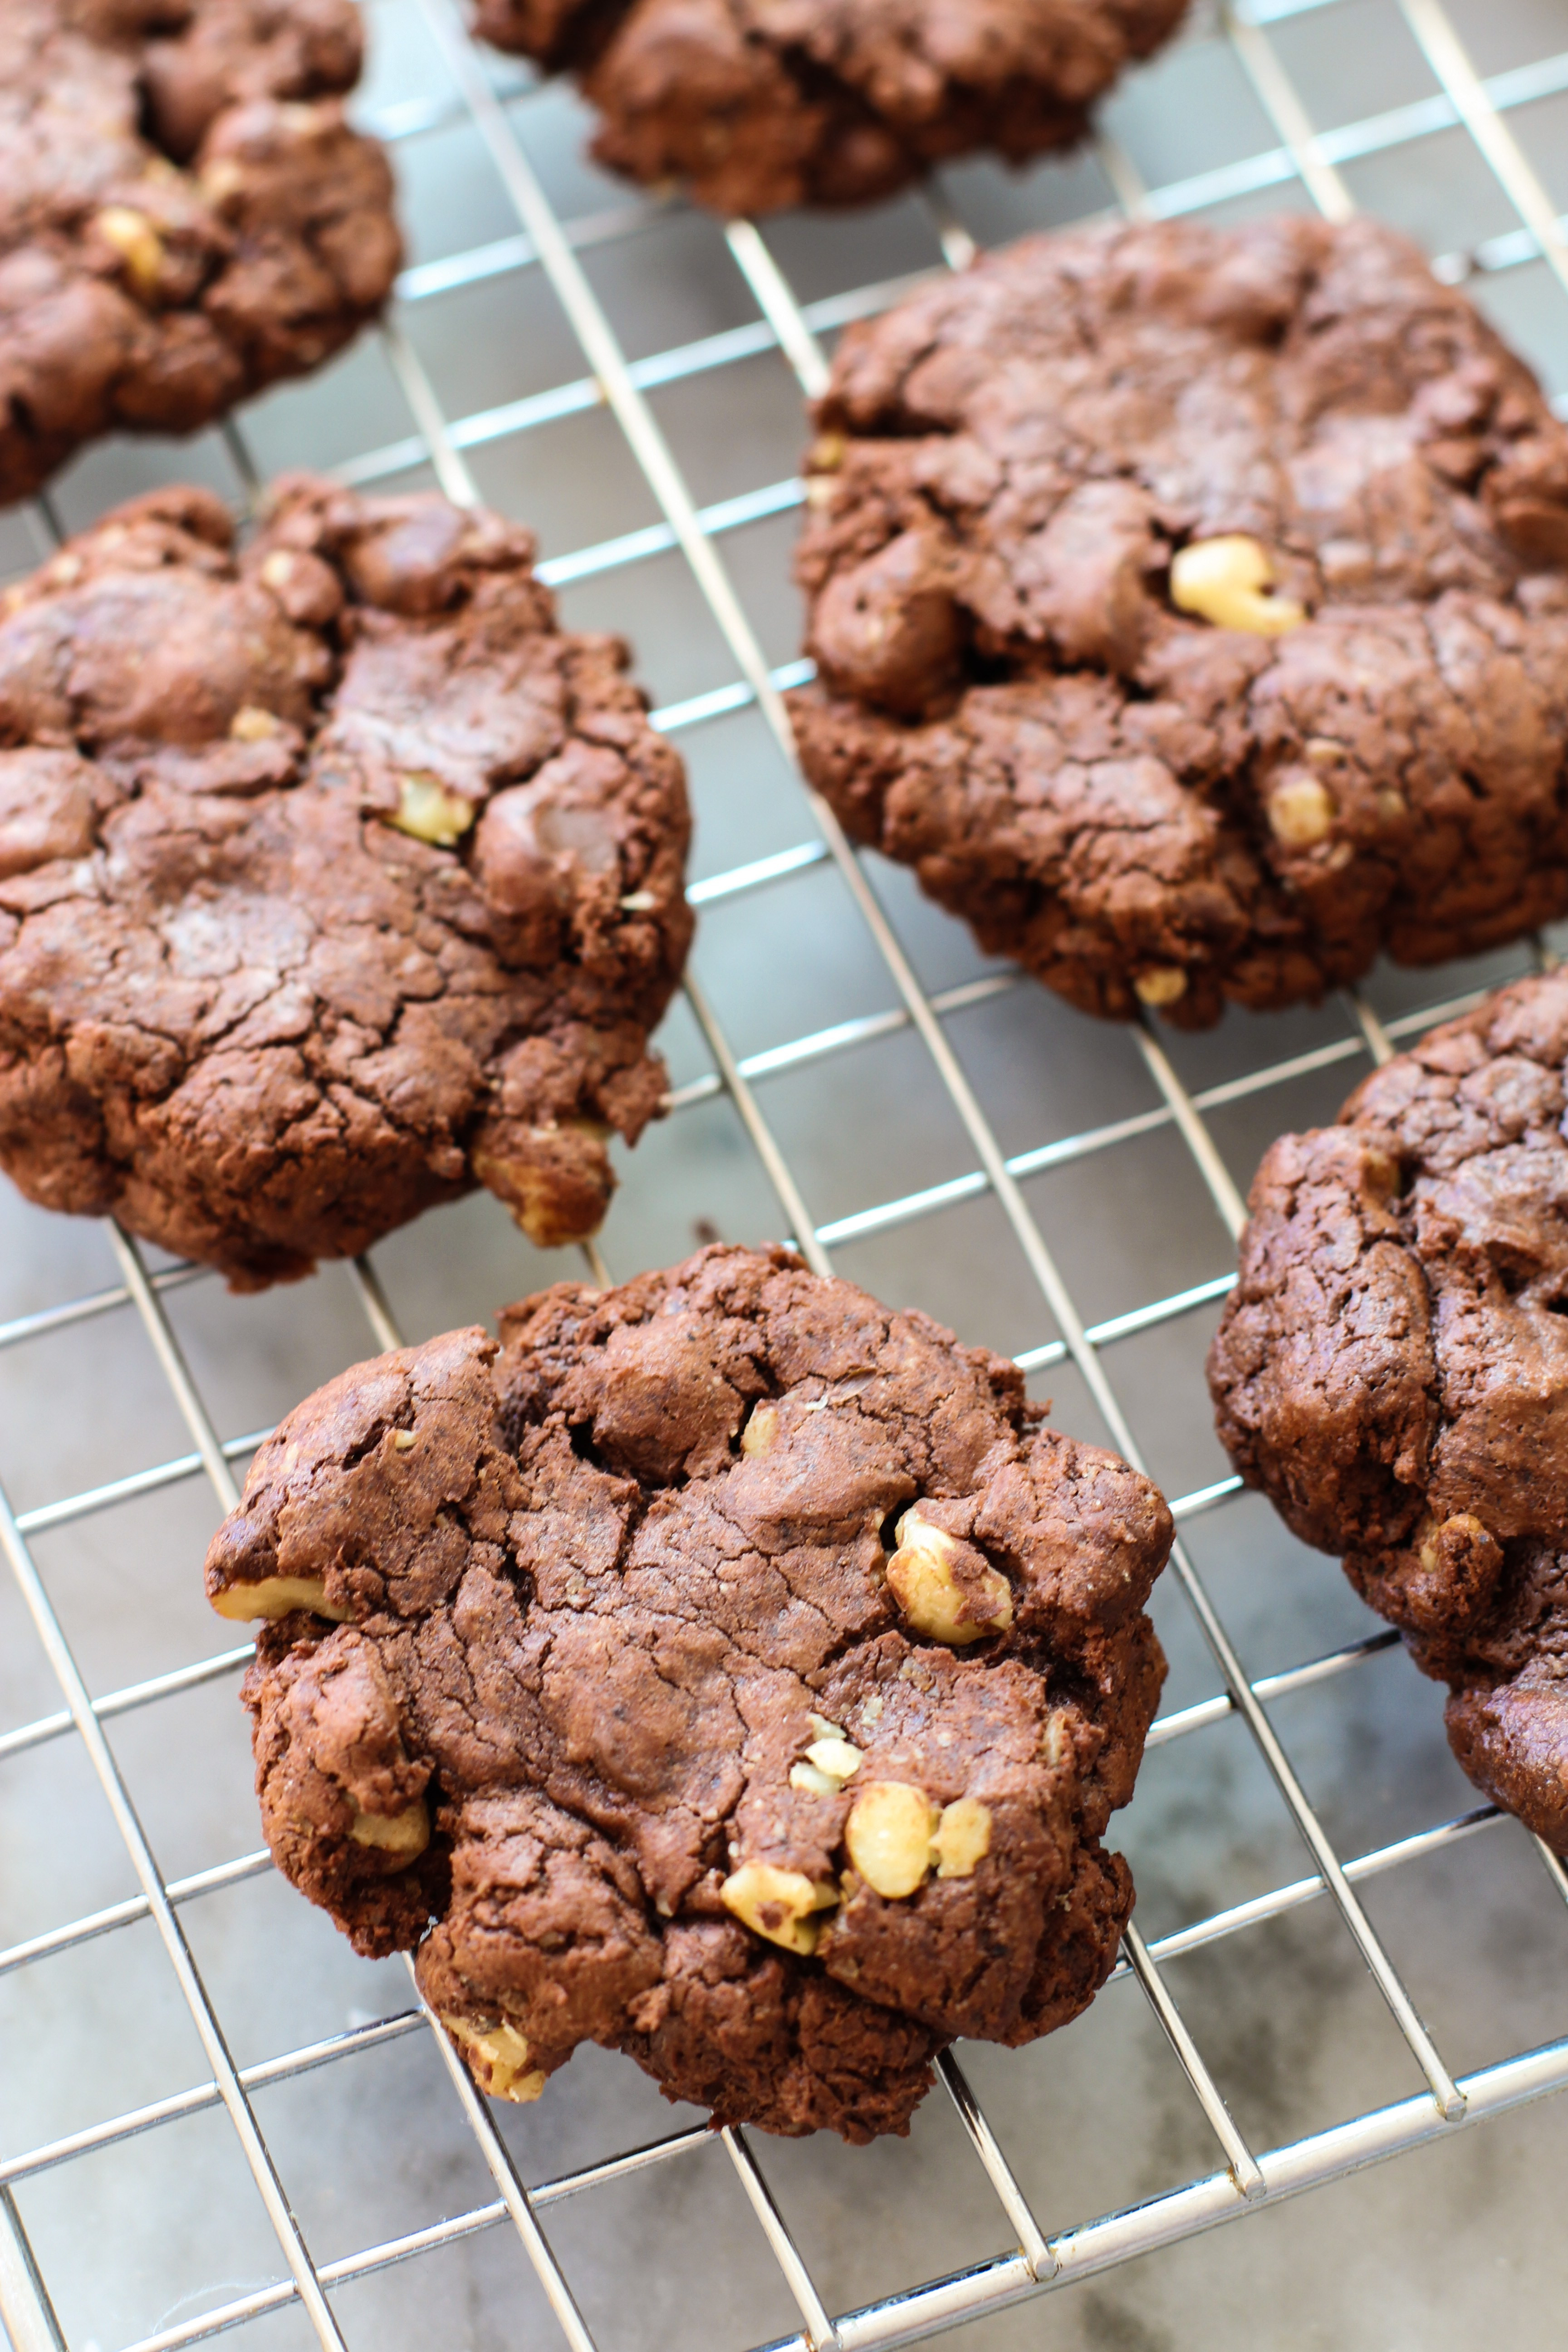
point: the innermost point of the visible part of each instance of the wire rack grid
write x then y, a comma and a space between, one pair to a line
1315, 145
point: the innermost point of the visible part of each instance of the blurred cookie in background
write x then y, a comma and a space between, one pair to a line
755, 105
185, 215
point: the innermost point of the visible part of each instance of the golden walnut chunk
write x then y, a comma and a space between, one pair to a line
760, 1433
1162, 983
1225, 581
827, 1763
137, 243
1463, 1529
551, 1208
274, 1597
222, 179
778, 1904
251, 724
962, 1838
407, 1834
895, 1836
923, 1579
430, 813
1300, 810
497, 2052
888, 1835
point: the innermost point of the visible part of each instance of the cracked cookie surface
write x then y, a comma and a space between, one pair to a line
184, 213
630, 1723
1392, 1368
1191, 612
334, 879
760, 104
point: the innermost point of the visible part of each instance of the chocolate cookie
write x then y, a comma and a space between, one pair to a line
334, 879
1191, 610
185, 214
727, 1670
1392, 1370
757, 104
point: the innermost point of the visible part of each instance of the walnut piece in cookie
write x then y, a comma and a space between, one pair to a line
1392, 1370
619, 1720
185, 215
335, 879
760, 104
1190, 609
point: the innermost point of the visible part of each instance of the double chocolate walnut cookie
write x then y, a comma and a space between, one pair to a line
1392, 1368
1191, 612
726, 1669
335, 879
759, 104
184, 213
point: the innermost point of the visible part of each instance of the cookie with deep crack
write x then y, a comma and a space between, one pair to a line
1191, 612
1392, 1368
335, 878
727, 1669
184, 213
760, 104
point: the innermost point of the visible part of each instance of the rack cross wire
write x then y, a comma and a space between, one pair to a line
1307, 161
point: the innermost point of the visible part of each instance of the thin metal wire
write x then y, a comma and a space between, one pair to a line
25, 2305
504, 2173
820, 2332
1195, 1134
450, 466
126, 1701
97, 1302
780, 1175
1315, 155
392, 2250
1555, 1868
203, 2095
149, 1305
135, 1907
582, 394
373, 1299
1243, 2164
1480, 105
135, 1481
257, 2155
1033, 2243
1477, 108
778, 306
1278, 99
1180, 2213
1280, 1899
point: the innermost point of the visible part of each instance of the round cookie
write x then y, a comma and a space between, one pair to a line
1392, 1368
760, 104
334, 879
1191, 612
184, 213
734, 1670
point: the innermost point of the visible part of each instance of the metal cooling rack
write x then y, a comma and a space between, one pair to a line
1306, 162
